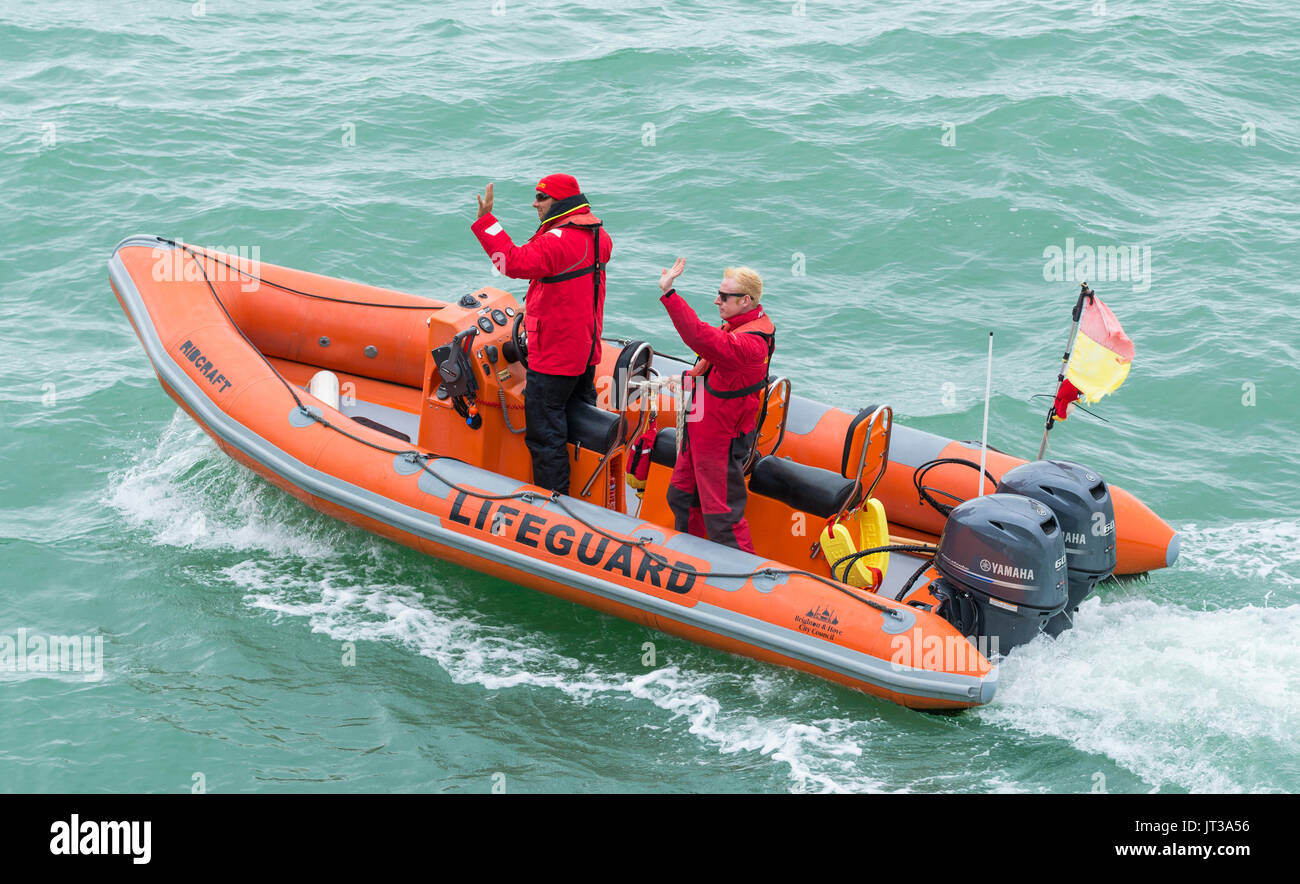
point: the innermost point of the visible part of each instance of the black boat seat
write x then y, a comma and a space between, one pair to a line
594, 428
664, 452
631, 368
633, 363
822, 493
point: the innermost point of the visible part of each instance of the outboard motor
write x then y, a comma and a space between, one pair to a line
1082, 504
1002, 561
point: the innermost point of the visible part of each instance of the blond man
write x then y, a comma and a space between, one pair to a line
707, 493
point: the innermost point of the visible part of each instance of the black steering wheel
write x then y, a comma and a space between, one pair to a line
519, 340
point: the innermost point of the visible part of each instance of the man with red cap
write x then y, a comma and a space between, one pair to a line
707, 492
564, 312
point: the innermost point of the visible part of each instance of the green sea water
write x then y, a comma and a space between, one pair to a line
900, 173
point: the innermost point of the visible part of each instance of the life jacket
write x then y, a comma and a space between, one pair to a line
583, 220
762, 326
558, 324
736, 407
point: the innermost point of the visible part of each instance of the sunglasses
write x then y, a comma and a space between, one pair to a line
724, 295
542, 196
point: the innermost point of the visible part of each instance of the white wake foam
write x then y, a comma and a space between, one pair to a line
1195, 700
823, 754
1264, 549
186, 492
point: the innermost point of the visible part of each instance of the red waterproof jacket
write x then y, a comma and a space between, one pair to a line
732, 358
563, 318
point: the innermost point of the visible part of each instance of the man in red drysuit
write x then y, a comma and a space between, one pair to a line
564, 312
707, 493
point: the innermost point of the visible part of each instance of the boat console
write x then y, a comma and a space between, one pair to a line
472, 400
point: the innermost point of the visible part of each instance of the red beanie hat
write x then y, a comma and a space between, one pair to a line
559, 186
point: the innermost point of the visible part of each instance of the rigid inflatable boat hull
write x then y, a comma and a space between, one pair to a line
236, 396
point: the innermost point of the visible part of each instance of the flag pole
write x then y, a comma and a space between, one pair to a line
1084, 293
984, 439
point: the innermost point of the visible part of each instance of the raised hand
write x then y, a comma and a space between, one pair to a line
667, 277
485, 201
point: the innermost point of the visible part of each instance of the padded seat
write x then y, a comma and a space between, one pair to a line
595, 428
822, 493
665, 451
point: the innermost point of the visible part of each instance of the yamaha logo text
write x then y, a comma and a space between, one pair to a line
1000, 570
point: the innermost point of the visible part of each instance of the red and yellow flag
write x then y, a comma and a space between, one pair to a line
1100, 360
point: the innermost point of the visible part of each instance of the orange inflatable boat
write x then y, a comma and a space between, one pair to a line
404, 416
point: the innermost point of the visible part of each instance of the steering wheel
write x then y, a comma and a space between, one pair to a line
519, 339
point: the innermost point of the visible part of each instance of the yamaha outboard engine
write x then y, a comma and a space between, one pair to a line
1081, 501
1002, 561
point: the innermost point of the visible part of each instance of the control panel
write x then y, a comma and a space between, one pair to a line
470, 380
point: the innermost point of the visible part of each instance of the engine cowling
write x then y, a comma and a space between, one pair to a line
1003, 569
1081, 501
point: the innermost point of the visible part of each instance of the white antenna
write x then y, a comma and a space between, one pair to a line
984, 438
